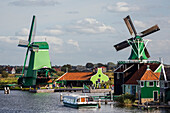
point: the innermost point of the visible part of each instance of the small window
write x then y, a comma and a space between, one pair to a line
157, 83
150, 84
118, 76
142, 84
166, 85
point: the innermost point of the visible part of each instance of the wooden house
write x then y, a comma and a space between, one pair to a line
149, 86
80, 78
127, 74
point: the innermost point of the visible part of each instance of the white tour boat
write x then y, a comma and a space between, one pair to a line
78, 101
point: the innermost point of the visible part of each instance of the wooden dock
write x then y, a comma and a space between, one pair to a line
68, 90
152, 106
56, 90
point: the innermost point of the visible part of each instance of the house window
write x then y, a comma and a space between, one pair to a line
166, 85
157, 83
142, 84
118, 76
150, 84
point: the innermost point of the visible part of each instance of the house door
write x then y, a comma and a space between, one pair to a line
155, 95
134, 90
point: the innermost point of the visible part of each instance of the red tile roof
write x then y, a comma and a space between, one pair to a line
76, 76
149, 75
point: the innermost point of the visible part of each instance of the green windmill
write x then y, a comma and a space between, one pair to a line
138, 45
39, 66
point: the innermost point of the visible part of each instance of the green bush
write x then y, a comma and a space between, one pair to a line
125, 99
4, 74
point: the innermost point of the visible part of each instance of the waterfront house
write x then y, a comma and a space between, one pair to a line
76, 78
80, 78
127, 74
165, 84
149, 86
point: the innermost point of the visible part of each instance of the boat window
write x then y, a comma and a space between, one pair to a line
90, 99
82, 99
78, 100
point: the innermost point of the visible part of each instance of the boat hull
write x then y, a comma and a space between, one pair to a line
80, 105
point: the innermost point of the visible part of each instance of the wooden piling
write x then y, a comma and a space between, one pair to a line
99, 103
106, 102
61, 97
5, 90
8, 90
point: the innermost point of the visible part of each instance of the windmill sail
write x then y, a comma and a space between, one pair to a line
146, 53
136, 43
23, 43
32, 30
130, 25
122, 45
149, 31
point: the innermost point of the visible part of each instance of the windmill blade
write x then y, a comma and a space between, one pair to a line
25, 61
149, 31
146, 53
130, 26
122, 45
23, 43
32, 30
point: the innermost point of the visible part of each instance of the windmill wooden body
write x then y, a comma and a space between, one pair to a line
39, 67
138, 59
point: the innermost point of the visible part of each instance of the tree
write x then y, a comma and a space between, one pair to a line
100, 64
4, 74
89, 65
66, 67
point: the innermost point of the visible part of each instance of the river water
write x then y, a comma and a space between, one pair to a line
26, 102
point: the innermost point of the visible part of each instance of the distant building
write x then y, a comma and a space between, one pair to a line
99, 77
80, 78
10, 70
76, 78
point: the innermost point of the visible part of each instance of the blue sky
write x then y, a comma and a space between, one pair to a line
81, 31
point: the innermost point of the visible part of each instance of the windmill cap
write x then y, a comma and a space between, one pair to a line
42, 45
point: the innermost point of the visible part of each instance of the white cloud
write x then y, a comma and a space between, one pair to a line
90, 25
23, 3
57, 30
53, 32
139, 24
22, 32
169, 21
74, 43
122, 7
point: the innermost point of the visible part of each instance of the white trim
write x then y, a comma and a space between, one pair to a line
143, 83
158, 68
118, 67
145, 43
157, 85
62, 75
164, 73
128, 68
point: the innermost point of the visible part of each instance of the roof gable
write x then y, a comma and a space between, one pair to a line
149, 75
